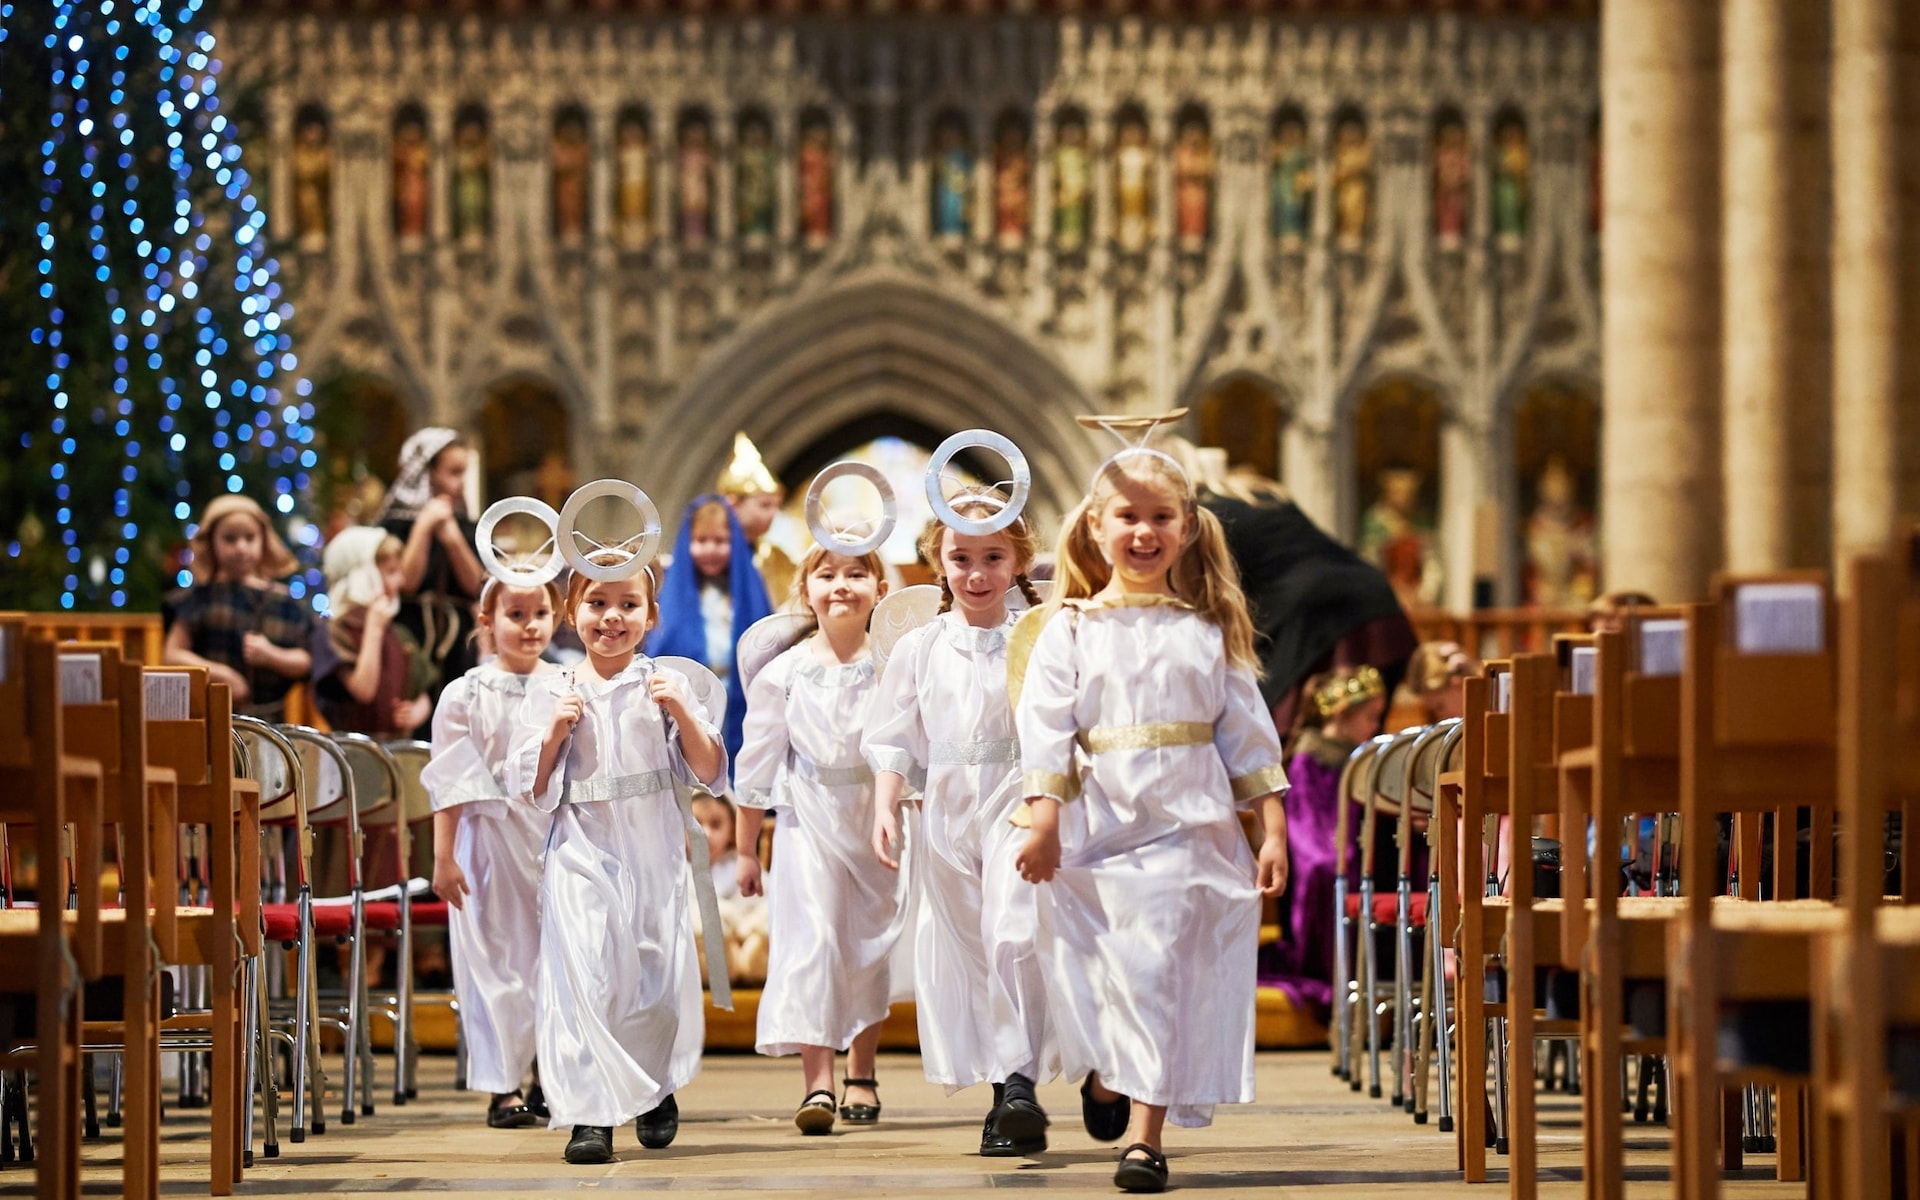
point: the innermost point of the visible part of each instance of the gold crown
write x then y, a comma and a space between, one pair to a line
747, 474
1345, 691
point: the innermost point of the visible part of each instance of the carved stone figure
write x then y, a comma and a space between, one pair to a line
572, 160
816, 184
952, 180
472, 182
633, 189
1290, 185
1452, 179
696, 184
754, 181
312, 184
1072, 187
1352, 183
1193, 184
1012, 170
1133, 178
410, 160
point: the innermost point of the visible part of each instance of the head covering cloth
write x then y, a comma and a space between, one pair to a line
411, 486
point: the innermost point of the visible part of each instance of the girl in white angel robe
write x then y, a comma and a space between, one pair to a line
487, 848
835, 910
620, 1025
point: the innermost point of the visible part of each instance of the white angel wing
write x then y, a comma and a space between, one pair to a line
708, 692
909, 608
765, 640
1017, 600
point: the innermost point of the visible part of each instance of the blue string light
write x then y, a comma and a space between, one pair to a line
238, 374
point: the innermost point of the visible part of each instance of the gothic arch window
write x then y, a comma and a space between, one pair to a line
1290, 179
1556, 430
472, 177
525, 440
1397, 460
1133, 177
756, 191
1244, 415
633, 178
1452, 191
411, 166
1512, 175
817, 168
1072, 181
571, 163
1353, 200
951, 169
312, 179
1012, 180
1193, 174
693, 184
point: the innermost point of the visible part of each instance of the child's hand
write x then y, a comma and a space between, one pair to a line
380, 614
1273, 866
1040, 857
257, 650
746, 869
235, 681
668, 695
409, 715
450, 882
566, 714
886, 836
436, 512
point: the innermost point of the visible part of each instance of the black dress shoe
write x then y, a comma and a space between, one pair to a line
508, 1111
1145, 1174
537, 1103
1018, 1117
1106, 1121
590, 1144
994, 1144
658, 1127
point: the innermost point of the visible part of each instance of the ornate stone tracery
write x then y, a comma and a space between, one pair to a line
650, 215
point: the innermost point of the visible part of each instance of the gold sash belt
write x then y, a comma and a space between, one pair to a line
1104, 739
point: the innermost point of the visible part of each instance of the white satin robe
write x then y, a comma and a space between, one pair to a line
941, 720
498, 843
1151, 926
835, 911
620, 1021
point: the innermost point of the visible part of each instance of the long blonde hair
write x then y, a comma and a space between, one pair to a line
978, 503
1204, 574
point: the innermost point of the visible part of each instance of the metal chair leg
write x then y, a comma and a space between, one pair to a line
1442, 1018
356, 984
1402, 998
265, 1064
1500, 1112
1342, 981
251, 1058
1369, 1000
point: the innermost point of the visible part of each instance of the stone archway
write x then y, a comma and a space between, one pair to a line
884, 344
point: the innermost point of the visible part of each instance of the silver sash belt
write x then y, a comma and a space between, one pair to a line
973, 754
626, 787
832, 777
653, 783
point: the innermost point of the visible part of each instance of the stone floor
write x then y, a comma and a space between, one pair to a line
1307, 1135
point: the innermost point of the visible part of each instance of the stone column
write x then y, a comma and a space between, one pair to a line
1660, 345
1876, 267
1776, 348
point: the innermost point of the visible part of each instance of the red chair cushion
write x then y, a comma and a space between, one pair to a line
282, 920
332, 920
1386, 908
430, 912
383, 915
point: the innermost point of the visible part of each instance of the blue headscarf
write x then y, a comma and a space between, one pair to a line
681, 630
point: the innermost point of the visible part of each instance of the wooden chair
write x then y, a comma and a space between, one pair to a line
42, 784
1757, 735
1866, 977
1630, 767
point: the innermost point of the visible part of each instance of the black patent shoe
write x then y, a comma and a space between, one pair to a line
1018, 1117
994, 1144
508, 1111
590, 1144
862, 1114
537, 1102
815, 1115
1145, 1174
1106, 1121
658, 1127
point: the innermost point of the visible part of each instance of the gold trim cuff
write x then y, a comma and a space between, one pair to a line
1048, 783
1264, 782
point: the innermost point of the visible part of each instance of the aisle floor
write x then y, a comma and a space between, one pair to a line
1307, 1136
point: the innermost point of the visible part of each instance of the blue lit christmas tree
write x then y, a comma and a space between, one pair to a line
151, 362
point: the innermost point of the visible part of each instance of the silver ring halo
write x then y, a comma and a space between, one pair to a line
984, 439
641, 554
840, 543
514, 576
